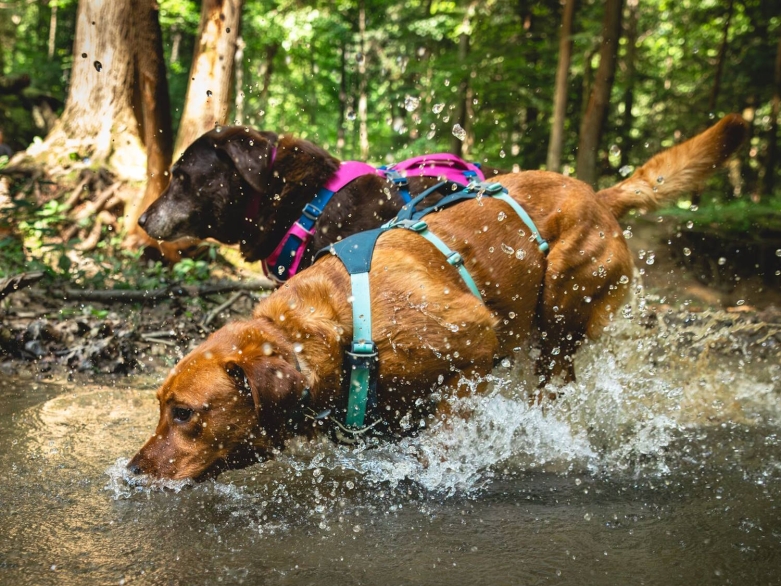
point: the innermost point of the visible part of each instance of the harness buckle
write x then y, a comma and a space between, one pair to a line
455, 259
419, 226
312, 212
362, 348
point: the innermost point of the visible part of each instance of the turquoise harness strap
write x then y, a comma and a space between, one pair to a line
541, 242
452, 256
356, 252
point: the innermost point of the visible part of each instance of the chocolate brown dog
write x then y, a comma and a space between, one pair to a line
238, 396
229, 171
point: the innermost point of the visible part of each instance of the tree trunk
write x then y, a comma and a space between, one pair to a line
266, 71
342, 99
363, 132
771, 157
459, 139
154, 104
714, 95
98, 122
52, 31
208, 94
239, 65
560, 93
629, 95
596, 111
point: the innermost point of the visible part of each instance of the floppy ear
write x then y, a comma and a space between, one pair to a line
251, 154
275, 386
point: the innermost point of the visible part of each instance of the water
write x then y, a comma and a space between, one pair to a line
662, 465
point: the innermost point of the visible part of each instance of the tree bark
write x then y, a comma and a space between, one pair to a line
208, 94
560, 93
153, 101
714, 95
458, 145
596, 111
629, 95
363, 132
98, 121
771, 156
52, 31
239, 65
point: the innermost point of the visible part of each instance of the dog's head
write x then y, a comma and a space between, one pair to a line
210, 186
227, 404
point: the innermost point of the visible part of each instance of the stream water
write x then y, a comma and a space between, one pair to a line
661, 465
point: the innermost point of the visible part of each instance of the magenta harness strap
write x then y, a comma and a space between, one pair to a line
284, 262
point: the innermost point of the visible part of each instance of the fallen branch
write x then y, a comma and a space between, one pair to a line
9, 285
109, 295
217, 310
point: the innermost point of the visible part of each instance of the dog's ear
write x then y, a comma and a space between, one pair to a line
251, 153
274, 385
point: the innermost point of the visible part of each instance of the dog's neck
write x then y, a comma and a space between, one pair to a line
313, 314
298, 171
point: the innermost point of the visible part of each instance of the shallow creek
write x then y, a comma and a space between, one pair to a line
661, 465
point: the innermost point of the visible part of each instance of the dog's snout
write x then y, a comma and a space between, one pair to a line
134, 468
143, 219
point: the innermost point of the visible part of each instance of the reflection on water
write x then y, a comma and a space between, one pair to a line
660, 465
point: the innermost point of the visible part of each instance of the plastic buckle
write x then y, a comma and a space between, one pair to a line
419, 226
455, 259
493, 187
312, 212
363, 348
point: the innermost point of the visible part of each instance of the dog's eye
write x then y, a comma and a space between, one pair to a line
182, 414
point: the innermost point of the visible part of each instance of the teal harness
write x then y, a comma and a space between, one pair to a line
356, 252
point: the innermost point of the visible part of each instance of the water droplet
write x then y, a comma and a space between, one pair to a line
587, 516
651, 258
722, 261
411, 103
711, 115
623, 280
615, 151
690, 224
506, 362
587, 299
507, 249
556, 351
778, 252
360, 58
297, 348
687, 252
627, 234
501, 216
350, 114
660, 179
693, 208
209, 93
357, 529
740, 302
520, 254
625, 170
459, 132
267, 349
437, 108
502, 154
98, 66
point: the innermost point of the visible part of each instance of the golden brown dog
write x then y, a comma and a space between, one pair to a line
237, 397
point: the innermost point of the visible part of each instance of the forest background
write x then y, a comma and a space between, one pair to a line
100, 96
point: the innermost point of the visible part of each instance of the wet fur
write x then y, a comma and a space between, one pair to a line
429, 329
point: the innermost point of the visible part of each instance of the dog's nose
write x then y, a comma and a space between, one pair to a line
134, 468
142, 220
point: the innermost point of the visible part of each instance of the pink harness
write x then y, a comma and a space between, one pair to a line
443, 166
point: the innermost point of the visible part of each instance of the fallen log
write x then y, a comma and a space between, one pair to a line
11, 284
111, 295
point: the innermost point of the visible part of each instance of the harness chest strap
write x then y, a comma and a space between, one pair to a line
356, 253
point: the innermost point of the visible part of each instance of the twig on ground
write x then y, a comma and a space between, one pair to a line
10, 284
207, 319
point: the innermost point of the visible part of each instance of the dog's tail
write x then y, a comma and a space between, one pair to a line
678, 170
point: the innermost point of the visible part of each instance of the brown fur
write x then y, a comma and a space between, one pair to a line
429, 329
